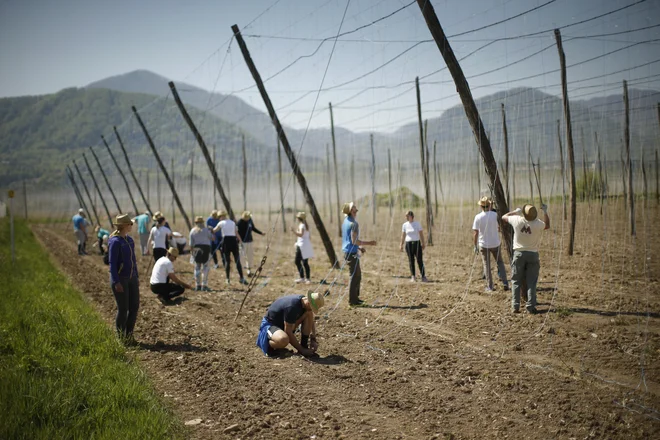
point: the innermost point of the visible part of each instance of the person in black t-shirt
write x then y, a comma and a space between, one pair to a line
282, 319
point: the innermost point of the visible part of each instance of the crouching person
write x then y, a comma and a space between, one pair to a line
283, 317
163, 281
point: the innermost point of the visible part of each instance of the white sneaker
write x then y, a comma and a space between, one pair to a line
308, 281
298, 280
412, 279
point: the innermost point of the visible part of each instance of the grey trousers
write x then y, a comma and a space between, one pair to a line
355, 273
144, 238
524, 267
485, 258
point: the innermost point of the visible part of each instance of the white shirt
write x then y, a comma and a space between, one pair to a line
526, 235
158, 235
162, 269
228, 228
304, 242
412, 230
486, 223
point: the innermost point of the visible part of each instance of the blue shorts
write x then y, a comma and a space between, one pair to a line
266, 329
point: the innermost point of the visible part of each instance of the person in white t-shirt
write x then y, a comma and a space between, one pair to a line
230, 242
486, 239
413, 237
163, 281
304, 249
158, 237
525, 266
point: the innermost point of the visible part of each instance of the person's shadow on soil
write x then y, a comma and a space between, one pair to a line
610, 312
331, 359
385, 306
162, 346
174, 302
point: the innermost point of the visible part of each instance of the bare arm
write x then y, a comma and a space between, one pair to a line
289, 329
298, 232
475, 236
176, 280
238, 236
421, 239
505, 217
403, 239
546, 220
359, 242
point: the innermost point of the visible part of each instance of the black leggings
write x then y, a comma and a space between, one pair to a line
414, 250
302, 263
230, 247
101, 246
215, 248
159, 252
167, 290
128, 303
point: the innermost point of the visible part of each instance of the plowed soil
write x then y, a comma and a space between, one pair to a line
437, 360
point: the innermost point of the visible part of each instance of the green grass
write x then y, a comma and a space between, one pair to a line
63, 374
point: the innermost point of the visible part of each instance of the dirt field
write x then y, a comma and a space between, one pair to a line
437, 360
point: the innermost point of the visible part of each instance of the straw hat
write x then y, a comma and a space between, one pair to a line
214, 213
301, 216
199, 219
348, 207
122, 219
246, 215
484, 201
156, 216
222, 213
81, 211
173, 251
316, 300
529, 212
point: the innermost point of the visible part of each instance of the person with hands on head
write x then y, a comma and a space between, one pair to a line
413, 237
525, 266
486, 240
164, 283
353, 246
124, 277
304, 249
285, 314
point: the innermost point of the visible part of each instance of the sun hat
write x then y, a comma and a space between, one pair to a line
484, 201
316, 300
529, 212
246, 215
81, 211
214, 213
122, 219
222, 213
157, 215
173, 251
301, 216
199, 219
348, 207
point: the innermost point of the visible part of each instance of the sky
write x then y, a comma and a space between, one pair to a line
368, 75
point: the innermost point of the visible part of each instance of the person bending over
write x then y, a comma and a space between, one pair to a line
164, 283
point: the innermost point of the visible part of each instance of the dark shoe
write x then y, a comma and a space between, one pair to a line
207, 289
515, 311
162, 299
506, 287
532, 310
358, 303
198, 288
243, 281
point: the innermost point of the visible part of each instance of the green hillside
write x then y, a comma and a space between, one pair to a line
40, 135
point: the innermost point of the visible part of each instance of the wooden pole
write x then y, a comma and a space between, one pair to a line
569, 142
626, 140
122, 174
130, 168
215, 190
174, 183
244, 172
328, 183
76, 191
89, 196
107, 182
471, 112
422, 150
389, 180
505, 131
334, 159
279, 173
192, 185
645, 188
287, 149
586, 188
162, 168
623, 180
374, 202
98, 190
205, 152
563, 170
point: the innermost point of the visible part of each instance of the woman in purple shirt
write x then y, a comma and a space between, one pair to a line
124, 277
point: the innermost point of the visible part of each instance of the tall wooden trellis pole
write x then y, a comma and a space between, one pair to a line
130, 169
122, 174
89, 196
98, 190
105, 177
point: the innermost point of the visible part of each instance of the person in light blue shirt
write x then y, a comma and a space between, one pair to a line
102, 237
352, 247
80, 231
142, 221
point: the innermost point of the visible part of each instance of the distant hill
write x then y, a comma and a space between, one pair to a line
40, 135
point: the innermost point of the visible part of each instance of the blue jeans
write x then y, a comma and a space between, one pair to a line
525, 266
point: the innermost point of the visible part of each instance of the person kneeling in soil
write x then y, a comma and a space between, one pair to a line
163, 281
282, 319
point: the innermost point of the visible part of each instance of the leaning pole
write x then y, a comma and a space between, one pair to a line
122, 174
287, 148
472, 114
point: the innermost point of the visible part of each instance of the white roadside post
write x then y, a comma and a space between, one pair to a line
10, 193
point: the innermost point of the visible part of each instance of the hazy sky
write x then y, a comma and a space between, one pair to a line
46, 46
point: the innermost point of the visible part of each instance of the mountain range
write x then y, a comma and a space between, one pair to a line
40, 134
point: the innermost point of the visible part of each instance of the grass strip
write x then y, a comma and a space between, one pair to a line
63, 373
